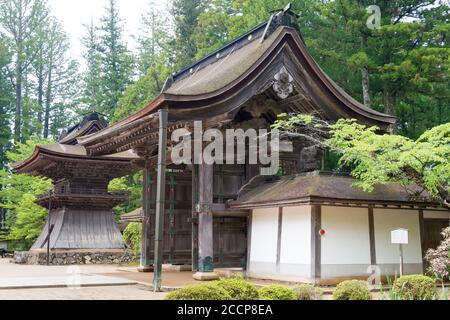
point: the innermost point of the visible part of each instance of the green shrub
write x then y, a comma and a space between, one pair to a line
238, 288
276, 292
414, 287
352, 290
308, 292
205, 291
133, 235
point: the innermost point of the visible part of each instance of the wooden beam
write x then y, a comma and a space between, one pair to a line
146, 246
194, 217
249, 240
205, 219
280, 229
373, 255
316, 250
422, 239
160, 199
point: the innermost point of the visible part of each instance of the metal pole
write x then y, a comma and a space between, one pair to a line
160, 199
401, 260
49, 226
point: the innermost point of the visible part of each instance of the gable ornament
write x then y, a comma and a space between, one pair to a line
283, 84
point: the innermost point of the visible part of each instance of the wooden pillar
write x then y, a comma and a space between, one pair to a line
194, 217
280, 230
316, 251
205, 224
160, 199
422, 240
146, 245
373, 253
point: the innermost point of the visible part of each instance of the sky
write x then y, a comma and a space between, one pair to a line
74, 13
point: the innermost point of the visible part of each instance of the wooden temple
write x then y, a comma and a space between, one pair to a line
80, 204
245, 84
209, 216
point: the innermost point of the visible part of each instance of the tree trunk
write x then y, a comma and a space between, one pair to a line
48, 102
40, 90
18, 113
365, 75
366, 87
388, 102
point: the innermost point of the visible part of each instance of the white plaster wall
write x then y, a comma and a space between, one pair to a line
346, 239
296, 235
264, 235
386, 220
436, 214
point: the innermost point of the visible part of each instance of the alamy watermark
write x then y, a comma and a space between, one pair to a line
374, 20
213, 147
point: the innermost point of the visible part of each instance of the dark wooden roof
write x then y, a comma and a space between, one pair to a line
67, 157
90, 123
223, 81
57, 161
319, 188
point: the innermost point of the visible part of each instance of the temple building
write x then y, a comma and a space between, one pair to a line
306, 225
81, 219
300, 224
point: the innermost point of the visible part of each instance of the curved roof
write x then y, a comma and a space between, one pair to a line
210, 86
44, 155
292, 190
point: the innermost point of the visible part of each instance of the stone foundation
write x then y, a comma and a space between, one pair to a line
75, 257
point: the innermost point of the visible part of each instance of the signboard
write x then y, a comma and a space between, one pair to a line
399, 236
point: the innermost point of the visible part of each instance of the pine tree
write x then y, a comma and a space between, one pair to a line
185, 15
117, 63
19, 21
91, 96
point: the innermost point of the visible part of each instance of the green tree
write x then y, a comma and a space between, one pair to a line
92, 79
154, 58
19, 20
421, 165
24, 218
56, 75
116, 61
185, 14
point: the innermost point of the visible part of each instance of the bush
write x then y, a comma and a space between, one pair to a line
415, 287
352, 290
238, 288
308, 292
133, 235
439, 258
276, 292
206, 291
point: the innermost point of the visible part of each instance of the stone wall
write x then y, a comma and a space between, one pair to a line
75, 257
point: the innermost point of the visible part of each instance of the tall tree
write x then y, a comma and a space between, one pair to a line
19, 21
154, 37
6, 99
185, 15
91, 96
154, 62
117, 63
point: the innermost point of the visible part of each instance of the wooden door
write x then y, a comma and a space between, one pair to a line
230, 242
177, 241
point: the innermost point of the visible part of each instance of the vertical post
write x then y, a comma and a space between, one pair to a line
205, 224
316, 246
49, 228
146, 263
373, 254
194, 217
401, 259
160, 199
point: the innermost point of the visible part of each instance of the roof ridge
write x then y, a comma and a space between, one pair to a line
279, 17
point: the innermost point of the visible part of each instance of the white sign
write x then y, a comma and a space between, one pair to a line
399, 236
